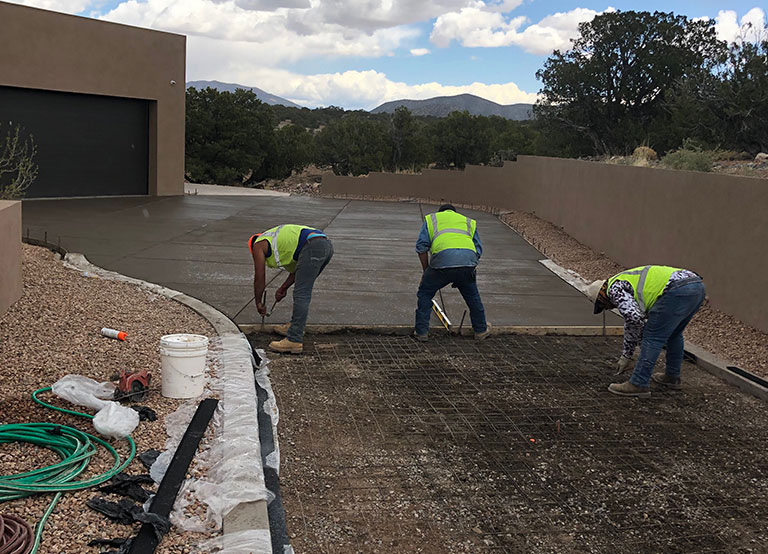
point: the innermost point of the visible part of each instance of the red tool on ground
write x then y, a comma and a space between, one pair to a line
133, 385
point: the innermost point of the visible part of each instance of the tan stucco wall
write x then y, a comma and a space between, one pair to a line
10, 254
45, 50
713, 224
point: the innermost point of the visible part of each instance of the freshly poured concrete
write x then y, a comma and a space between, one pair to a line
198, 245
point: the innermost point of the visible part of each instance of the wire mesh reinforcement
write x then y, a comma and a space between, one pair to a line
511, 445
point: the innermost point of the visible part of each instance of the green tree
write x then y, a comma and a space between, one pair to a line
18, 169
611, 86
410, 148
293, 151
228, 136
461, 139
353, 145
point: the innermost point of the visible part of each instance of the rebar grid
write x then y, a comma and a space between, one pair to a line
512, 445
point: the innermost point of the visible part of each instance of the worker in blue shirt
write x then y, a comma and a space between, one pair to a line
449, 249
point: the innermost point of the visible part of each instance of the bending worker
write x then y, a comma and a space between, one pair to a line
667, 298
303, 252
455, 246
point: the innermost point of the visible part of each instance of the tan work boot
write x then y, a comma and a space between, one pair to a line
286, 346
282, 330
485, 334
628, 389
669, 382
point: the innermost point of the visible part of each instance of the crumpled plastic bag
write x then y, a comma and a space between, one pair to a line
84, 391
116, 421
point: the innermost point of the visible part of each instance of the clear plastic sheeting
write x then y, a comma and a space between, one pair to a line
112, 420
270, 408
242, 542
230, 463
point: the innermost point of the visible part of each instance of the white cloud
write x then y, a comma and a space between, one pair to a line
729, 28
419, 51
475, 27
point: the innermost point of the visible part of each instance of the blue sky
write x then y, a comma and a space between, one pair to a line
360, 53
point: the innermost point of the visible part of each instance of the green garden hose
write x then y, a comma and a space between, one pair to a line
74, 448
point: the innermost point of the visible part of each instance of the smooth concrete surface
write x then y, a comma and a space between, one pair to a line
198, 245
52, 51
707, 222
11, 284
221, 190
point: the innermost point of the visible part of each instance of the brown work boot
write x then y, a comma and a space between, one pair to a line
286, 346
282, 329
669, 382
421, 338
628, 389
485, 334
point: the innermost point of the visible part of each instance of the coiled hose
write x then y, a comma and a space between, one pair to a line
74, 449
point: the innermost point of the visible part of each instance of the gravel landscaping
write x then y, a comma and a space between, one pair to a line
53, 330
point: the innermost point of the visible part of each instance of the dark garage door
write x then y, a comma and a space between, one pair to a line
86, 145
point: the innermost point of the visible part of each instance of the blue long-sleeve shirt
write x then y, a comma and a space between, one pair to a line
452, 257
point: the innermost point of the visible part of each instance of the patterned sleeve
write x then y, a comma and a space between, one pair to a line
622, 296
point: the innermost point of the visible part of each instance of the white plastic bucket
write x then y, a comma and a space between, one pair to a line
182, 362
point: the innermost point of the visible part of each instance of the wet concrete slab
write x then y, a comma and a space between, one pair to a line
197, 245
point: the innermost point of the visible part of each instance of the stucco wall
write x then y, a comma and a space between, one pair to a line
710, 223
52, 51
10, 254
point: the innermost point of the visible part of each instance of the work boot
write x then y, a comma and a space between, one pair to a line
628, 389
669, 382
421, 338
286, 346
485, 334
282, 330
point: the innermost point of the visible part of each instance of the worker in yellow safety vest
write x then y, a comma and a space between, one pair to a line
449, 249
656, 302
301, 251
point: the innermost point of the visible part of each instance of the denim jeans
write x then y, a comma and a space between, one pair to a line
666, 320
463, 278
313, 258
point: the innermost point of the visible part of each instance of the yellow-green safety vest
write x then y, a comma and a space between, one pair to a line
648, 282
449, 229
284, 239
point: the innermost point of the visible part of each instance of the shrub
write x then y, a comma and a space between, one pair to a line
17, 167
688, 160
644, 154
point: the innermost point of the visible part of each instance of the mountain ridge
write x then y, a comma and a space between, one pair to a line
441, 106
262, 95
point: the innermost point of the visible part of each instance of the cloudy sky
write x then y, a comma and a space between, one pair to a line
360, 53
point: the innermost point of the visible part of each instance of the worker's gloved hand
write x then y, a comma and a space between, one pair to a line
280, 294
261, 308
623, 364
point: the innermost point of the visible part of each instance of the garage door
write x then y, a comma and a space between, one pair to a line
86, 145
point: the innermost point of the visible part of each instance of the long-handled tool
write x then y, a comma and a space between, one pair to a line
269, 313
441, 315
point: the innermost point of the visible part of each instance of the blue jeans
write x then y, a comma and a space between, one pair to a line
313, 258
464, 279
666, 320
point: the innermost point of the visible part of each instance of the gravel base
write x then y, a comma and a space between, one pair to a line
54, 330
715, 331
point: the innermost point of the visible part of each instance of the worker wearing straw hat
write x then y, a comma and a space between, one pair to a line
656, 302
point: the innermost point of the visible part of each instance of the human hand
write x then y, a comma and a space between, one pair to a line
623, 364
280, 294
261, 308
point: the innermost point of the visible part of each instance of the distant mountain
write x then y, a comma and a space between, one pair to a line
441, 106
265, 97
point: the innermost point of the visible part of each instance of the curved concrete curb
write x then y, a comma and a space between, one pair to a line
248, 516
719, 368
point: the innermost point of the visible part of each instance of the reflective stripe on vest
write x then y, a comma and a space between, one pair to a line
289, 235
453, 236
647, 281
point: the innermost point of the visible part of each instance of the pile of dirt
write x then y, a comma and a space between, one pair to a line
307, 182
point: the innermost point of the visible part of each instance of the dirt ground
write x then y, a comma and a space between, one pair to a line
510, 445
53, 330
